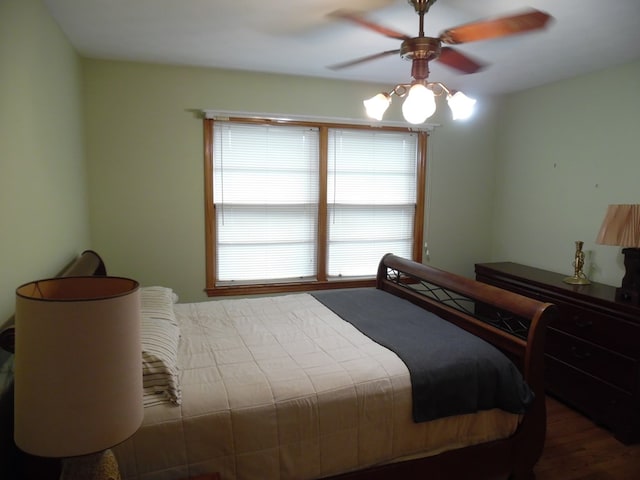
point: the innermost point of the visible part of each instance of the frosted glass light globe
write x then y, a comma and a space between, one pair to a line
461, 106
419, 105
376, 106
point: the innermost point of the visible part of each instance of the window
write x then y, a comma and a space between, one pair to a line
371, 198
266, 202
296, 206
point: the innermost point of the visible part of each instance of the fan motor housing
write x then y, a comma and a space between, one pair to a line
418, 48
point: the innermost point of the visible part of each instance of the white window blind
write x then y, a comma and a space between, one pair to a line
371, 198
266, 196
266, 186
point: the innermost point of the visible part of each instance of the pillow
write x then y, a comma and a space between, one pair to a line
158, 302
160, 335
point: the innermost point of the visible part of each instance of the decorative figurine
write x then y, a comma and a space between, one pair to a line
579, 278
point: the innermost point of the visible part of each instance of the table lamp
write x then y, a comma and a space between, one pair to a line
621, 227
78, 373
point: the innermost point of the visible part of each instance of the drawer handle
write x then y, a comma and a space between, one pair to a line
582, 323
582, 355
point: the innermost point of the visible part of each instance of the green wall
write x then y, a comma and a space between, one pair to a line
145, 156
43, 208
565, 152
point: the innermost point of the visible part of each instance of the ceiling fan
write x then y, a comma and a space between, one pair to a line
420, 93
422, 49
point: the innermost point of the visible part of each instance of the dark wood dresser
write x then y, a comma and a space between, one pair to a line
592, 352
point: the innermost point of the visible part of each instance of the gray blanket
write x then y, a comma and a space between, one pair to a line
452, 371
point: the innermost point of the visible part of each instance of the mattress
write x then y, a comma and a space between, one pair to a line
282, 388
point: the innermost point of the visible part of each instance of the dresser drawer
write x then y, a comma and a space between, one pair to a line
606, 405
599, 328
603, 330
604, 364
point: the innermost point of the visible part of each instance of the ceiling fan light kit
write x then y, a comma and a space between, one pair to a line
420, 102
420, 94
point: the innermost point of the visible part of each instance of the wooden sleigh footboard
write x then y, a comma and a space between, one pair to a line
513, 323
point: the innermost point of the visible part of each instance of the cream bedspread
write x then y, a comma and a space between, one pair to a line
282, 388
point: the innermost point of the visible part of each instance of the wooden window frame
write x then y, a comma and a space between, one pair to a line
322, 282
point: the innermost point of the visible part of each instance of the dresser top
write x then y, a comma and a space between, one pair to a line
552, 281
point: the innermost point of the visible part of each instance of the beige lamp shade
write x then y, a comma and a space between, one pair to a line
78, 373
621, 226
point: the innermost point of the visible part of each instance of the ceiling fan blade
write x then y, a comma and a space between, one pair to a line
459, 61
357, 61
498, 27
360, 20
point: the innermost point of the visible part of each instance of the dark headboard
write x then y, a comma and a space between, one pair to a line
15, 464
87, 263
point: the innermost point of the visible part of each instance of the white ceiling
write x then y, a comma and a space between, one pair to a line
297, 37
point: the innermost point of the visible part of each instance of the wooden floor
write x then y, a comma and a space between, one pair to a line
576, 448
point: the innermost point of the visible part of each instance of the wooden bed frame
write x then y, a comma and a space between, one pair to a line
513, 323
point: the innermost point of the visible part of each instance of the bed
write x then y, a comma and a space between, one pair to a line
285, 387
